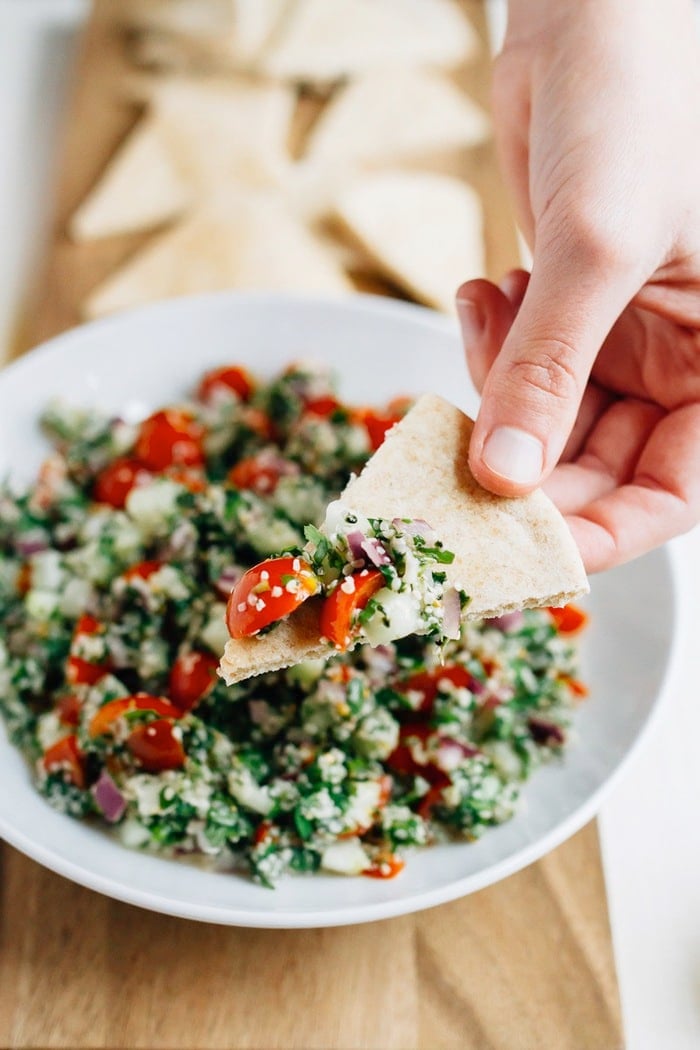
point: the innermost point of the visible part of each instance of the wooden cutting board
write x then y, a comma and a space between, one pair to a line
524, 965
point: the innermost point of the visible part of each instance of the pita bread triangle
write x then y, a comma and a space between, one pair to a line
141, 187
509, 553
391, 114
326, 40
424, 231
247, 240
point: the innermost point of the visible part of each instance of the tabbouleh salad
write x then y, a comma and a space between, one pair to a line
115, 570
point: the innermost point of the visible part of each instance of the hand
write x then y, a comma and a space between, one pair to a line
593, 361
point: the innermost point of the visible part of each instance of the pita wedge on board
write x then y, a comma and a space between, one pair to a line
248, 241
391, 114
327, 40
140, 188
424, 231
509, 553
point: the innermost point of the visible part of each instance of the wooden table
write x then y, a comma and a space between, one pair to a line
524, 965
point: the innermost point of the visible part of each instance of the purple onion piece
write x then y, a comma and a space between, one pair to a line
28, 545
375, 552
511, 621
228, 580
109, 798
546, 733
355, 540
452, 612
414, 527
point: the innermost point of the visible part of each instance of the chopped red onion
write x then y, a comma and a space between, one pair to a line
414, 527
544, 732
367, 548
355, 540
259, 711
32, 543
511, 621
380, 660
452, 612
228, 580
375, 552
109, 798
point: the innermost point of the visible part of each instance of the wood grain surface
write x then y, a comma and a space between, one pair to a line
524, 965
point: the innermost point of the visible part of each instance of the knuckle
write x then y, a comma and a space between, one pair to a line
595, 245
551, 371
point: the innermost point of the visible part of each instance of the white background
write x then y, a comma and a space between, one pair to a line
650, 825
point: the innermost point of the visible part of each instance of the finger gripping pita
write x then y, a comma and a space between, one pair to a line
509, 553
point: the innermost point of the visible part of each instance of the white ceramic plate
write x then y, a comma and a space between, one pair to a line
138, 361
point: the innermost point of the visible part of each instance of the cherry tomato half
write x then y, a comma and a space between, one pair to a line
156, 746
568, 620
68, 709
322, 406
193, 675
258, 473
80, 671
142, 570
385, 868
168, 437
401, 759
339, 608
115, 482
376, 424
267, 593
105, 716
65, 755
231, 377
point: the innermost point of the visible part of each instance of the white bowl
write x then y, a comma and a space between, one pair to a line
137, 361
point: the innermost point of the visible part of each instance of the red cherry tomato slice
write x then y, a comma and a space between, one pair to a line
376, 424
193, 479
193, 675
259, 475
170, 437
78, 670
426, 683
387, 868
65, 755
115, 482
339, 608
68, 709
105, 716
267, 593
142, 570
568, 620
322, 406
231, 377
401, 759
156, 746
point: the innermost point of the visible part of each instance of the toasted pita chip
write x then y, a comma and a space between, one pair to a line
324, 41
424, 231
220, 133
140, 188
209, 36
181, 17
509, 553
392, 114
249, 240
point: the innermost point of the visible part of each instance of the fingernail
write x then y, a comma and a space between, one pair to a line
514, 454
471, 320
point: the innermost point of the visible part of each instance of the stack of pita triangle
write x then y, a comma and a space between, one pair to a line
509, 553
345, 173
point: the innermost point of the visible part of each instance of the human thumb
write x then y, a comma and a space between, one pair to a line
534, 387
